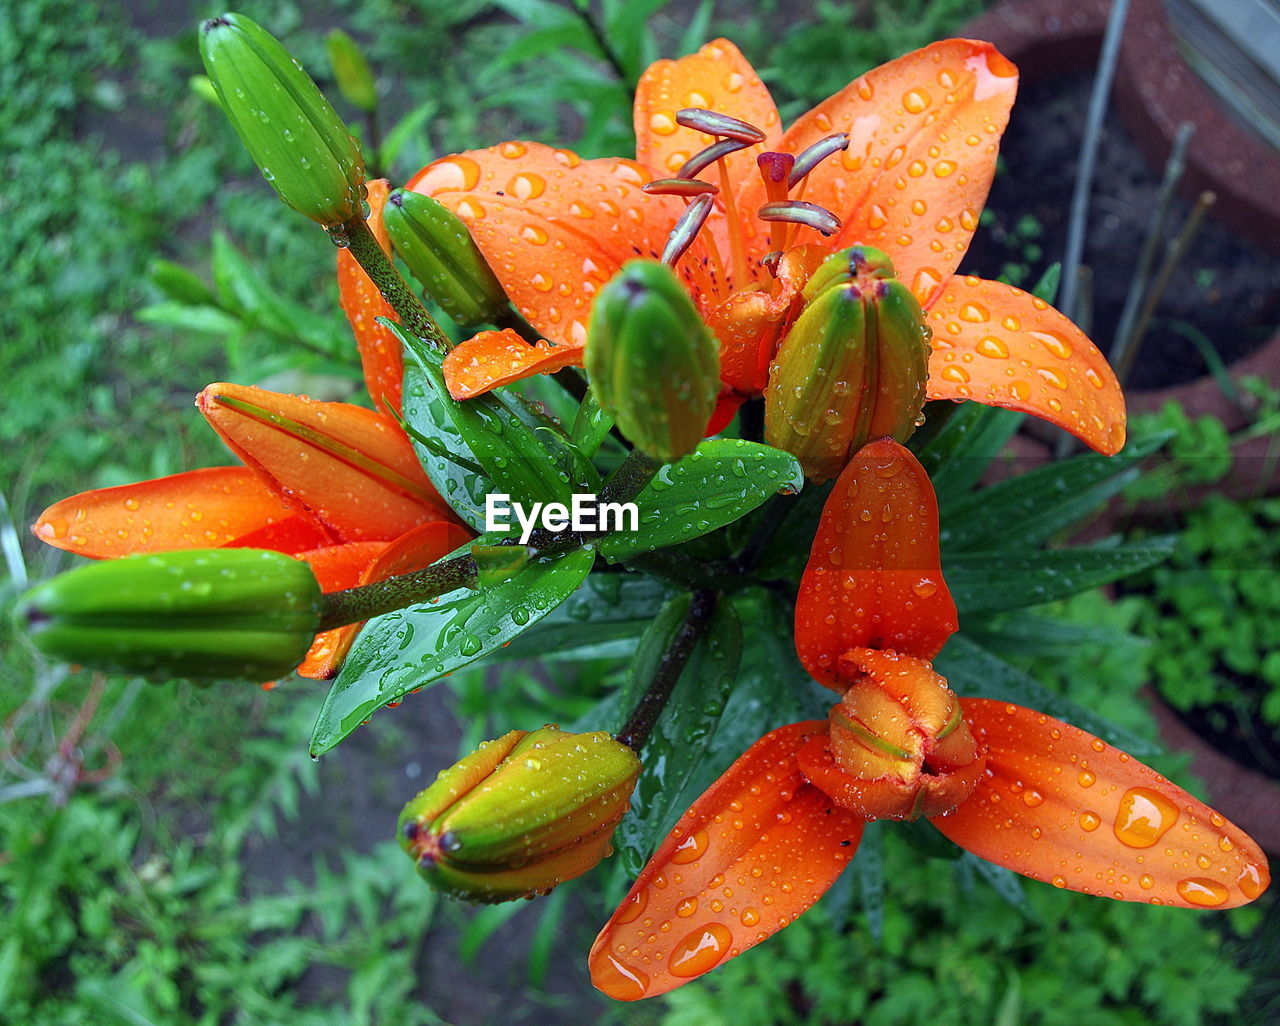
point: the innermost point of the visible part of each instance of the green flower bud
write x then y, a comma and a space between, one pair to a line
199, 613
520, 814
286, 124
441, 254
352, 71
853, 367
654, 364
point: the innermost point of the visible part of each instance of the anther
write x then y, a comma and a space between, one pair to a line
714, 123
798, 212
814, 155
679, 187
687, 228
710, 155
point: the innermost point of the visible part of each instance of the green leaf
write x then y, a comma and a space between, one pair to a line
958, 453
714, 485
678, 742
1029, 508
1030, 635
653, 645
523, 454
591, 426
788, 550
414, 647
608, 607
424, 412
974, 671
982, 581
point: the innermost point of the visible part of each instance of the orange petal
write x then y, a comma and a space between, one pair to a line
874, 577
749, 324
351, 468
716, 78
199, 509
494, 358
413, 550
1062, 806
297, 532
553, 227
727, 403
380, 354
757, 849
924, 130
1001, 346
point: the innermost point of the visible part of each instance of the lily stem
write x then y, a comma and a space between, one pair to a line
647, 711
400, 297
354, 605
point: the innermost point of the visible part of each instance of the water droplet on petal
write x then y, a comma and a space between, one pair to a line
1144, 817
701, 951
1199, 890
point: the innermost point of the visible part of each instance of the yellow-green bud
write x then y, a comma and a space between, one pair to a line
293, 134
653, 362
521, 814
440, 253
211, 614
352, 72
853, 367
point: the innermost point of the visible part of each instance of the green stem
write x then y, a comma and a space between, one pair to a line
400, 297
355, 605
647, 711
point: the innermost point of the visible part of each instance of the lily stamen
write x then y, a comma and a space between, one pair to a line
812, 156
722, 125
687, 187
687, 228
798, 212
703, 159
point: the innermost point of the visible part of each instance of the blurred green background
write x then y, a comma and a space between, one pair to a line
170, 855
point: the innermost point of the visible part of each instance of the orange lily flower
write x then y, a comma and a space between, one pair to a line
1011, 785
901, 159
334, 484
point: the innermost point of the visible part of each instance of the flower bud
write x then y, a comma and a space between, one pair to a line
351, 71
441, 254
852, 369
198, 613
899, 747
290, 130
653, 363
520, 814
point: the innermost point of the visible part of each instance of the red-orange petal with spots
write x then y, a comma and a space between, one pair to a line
552, 226
757, 849
296, 532
998, 345
874, 576
199, 509
924, 132
1062, 806
716, 78
350, 468
493, 358
380, 354
364, 563
727, 403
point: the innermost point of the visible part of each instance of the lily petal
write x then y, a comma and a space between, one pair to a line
553, 227
1062, 806
717, 78
493, 358
924, 131
357, 563
874, 576
200, 509
350, 468
380, 354
998, 345
757, 849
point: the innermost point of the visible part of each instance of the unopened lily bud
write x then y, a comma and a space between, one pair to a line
209, 614
351, 71
852, 369
520, 814
290, 130
899, 747
440, 253
653, 362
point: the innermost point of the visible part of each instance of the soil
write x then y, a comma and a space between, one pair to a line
1226, 288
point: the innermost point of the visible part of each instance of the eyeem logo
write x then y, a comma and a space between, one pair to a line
584, 513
